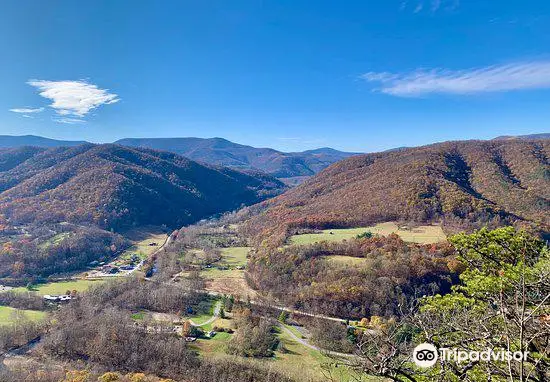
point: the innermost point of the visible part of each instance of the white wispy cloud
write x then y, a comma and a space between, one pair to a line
73, 98
436, 4
496, 78
69, 121
433, 5
25, 110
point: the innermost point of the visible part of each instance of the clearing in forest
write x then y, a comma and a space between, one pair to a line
425, 234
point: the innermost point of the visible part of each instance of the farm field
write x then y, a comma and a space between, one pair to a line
60, 287
234, 256
231, 257
427, 234
7, 315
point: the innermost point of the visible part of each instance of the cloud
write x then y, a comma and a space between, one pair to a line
25, 110
73, 98
69, 121
497, 78
433, 5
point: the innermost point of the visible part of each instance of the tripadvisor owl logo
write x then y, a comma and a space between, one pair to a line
425, 355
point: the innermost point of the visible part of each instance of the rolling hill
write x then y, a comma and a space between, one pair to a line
462, 184
219, 151
116, 187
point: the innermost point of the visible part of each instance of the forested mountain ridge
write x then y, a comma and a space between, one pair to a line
222, 152
114, 187
527, 137
464, 184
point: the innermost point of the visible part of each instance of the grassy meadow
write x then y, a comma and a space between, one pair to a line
426, 234
60, 287
346, 261
8, 314
234, 256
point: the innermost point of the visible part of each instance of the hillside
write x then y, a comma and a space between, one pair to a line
115, 187
10, 141
463, 184
219, 151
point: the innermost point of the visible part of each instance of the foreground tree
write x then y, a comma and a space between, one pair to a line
502, 303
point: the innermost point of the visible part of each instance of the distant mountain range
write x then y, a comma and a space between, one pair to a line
117, 187
215, 151
9, 141
292, 167
464, 184
222, 152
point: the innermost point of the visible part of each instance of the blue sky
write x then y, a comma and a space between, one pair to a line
289, 74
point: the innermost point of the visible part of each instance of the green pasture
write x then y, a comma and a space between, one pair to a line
8, 315
55, 240
234, 256
60, 287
